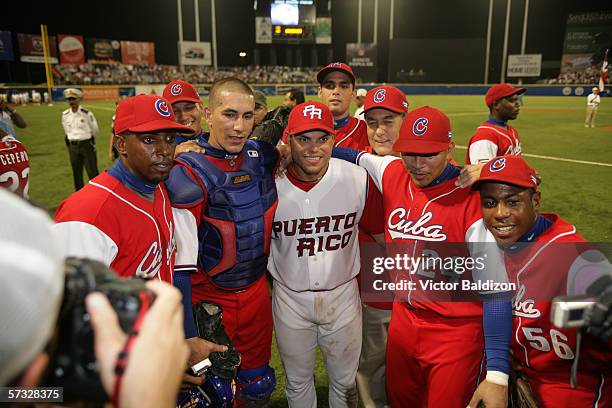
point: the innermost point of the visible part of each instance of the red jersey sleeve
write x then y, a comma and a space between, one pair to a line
373, 217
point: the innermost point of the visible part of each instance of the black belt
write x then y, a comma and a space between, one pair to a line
76, 142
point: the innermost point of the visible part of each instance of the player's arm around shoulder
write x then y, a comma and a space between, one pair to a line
183, 188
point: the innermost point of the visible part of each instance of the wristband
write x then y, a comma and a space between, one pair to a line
497, 377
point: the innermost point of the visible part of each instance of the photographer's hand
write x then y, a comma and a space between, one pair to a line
158, 357
200, 349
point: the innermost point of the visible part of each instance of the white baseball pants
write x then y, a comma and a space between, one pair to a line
330, 319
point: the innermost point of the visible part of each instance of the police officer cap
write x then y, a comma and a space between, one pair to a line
73, 93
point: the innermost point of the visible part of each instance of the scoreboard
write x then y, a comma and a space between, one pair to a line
293, 21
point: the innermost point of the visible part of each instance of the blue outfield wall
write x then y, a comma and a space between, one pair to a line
311, 89
532, 90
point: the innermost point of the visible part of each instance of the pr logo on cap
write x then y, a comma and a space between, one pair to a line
162, 108
176, 89
498, 165
420, 126
313, 111
380, 95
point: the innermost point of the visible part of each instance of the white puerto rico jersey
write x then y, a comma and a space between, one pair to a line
314, 242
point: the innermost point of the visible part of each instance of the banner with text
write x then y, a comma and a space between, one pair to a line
136, 52
263, 30
31, 48
362, 58
524, 65
102, 51
6, 46
194, 53
71, 48
323, 30
587, 36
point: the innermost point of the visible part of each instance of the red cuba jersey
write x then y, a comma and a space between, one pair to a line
108, 222
552, 266
425, 222
490, 141
14, 167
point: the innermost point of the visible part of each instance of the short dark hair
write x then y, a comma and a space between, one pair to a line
230, 83
297, 95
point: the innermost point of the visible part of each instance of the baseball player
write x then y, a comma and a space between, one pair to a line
14, 165
123, 217
384, 109
543, 263
336, 91
359, 101
496, 137
228, 194
435, 346
315, 259
188, 111
80, 130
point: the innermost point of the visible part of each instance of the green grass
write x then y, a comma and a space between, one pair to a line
548, 126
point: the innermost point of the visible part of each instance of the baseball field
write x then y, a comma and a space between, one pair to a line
574, 162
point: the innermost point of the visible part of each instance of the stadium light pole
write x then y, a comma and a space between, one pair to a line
196, 11
213, 25
488, 50
391, 20
524, 39
179, 10
375, 22
359, 7
505, 52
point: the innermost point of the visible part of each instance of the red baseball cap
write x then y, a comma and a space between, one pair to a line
425, 130
335, 66
146, 114
498, 91
181, 91
508, 170
308, 116
385, 97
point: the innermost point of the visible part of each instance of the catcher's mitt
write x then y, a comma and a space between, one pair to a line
208, 321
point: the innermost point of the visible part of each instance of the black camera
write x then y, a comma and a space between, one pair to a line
73, 365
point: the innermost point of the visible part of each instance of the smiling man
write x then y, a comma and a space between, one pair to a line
123, 217
384, 108
228, 194
496, 137
545, 259
423, 205
188, 111
315, 260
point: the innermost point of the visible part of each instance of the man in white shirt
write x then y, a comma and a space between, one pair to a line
80, 130
359, 101
593, 101
314, 260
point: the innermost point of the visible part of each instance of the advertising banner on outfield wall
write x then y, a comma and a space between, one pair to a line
263, 30
587, 36
323, 30
136, 52
194, 53
6, 46
362, 58
524, 65
102, 51
31, 48
92, 93
71, 49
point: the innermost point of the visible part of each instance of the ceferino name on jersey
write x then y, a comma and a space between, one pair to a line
402, 228
317, 234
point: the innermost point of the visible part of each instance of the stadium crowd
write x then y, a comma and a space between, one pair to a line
122, 74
